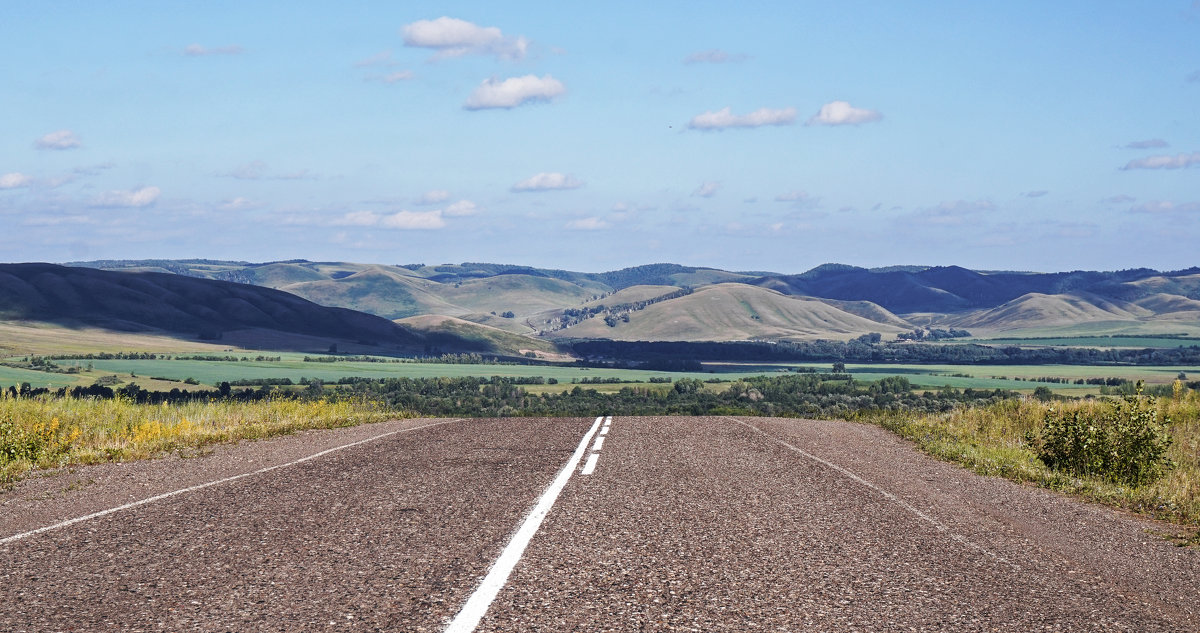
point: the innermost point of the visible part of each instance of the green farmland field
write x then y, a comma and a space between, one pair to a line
293, 367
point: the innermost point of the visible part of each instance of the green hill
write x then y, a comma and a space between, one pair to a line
731, 312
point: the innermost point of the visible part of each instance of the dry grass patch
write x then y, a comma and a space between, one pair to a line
54, 432
992, 441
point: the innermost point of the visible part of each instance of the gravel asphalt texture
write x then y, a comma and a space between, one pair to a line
687, 524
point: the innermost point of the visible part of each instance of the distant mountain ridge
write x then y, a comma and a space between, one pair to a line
552, 302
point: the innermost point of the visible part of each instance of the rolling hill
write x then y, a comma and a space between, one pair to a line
187, 308
731, 312
531, 301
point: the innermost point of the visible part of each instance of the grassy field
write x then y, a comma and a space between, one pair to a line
1098, 342
52, 432
991, 441
293, 367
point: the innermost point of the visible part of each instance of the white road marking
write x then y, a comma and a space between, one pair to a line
479, 602
888, 495
599, 444
165, 495
608, 420
590, 466
604, 430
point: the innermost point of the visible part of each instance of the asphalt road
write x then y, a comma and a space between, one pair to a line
680, 524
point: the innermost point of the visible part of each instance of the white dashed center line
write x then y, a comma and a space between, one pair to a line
589, 466
479, 602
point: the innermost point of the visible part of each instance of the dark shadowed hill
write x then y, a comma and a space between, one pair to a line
188, 306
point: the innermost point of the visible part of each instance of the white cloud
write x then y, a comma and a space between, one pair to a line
707, 189
1178, 161
547, 181
713, 56
1165, 206
1147, 144
134, 198
587, 224
462, 208
409, 220
62, 139
725, 118
359, 218
513, 92
1036, 194
238, 204
452, 37
403, 220
196, 50
433, 196
14, 180
842, 113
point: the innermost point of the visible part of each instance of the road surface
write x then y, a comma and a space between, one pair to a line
637, 524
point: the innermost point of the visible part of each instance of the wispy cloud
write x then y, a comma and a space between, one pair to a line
1165, 206
196, 50
953, 213
1036, 194
1178, 161
403, 220
707, 189
842, 113
725, 118
452, 37
792, 196
382, 58
461, 208
258, 170
714, 56
238, 204
1147, 144
547, 181
14, 180
587, 224
433, 196
62, 139
397, 76
1119, 199
513, 92
132, 198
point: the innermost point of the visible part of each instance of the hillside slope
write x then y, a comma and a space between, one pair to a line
732, 311
184, 306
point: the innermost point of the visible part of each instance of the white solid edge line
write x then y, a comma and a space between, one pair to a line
590, 466
599, 443
96, 515
888, 495
477, 605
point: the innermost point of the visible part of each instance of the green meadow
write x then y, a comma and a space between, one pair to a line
172, 373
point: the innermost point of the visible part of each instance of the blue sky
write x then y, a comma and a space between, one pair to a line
772, 136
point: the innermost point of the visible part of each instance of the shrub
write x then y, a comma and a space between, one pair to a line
1123, 442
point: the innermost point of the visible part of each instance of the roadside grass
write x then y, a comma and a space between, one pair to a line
991, 441
37, 433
